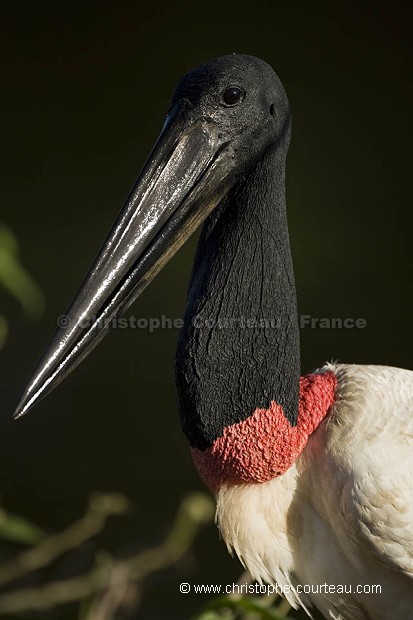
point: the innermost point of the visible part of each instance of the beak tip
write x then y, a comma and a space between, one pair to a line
20, 411
23, 406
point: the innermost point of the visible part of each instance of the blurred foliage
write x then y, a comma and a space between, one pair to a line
17, 529
112, 587
15, 279
245, 608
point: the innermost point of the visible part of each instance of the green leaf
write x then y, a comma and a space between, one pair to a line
18, 529
243, 608
16, 279
211, 615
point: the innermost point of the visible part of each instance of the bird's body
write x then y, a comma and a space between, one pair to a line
312, 475
342, 515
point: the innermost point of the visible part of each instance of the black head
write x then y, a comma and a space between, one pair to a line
224, 116
244, 98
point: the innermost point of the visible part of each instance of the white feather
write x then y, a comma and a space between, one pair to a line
343, 514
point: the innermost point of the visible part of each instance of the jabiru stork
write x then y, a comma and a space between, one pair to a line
312, 475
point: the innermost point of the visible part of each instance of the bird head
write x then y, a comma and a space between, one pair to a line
223, 116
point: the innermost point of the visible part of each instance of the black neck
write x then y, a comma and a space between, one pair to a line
239, 347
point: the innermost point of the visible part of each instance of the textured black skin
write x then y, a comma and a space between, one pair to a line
225, 367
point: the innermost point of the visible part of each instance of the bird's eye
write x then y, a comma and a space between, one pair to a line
232, 96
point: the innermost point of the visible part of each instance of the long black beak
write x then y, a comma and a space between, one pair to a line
184, 178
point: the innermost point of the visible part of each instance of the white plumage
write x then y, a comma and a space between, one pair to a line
343, 514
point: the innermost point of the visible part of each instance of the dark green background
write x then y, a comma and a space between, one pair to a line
84, 89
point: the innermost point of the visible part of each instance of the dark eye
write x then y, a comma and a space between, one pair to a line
232, 96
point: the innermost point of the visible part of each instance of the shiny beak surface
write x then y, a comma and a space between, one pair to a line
184, 178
